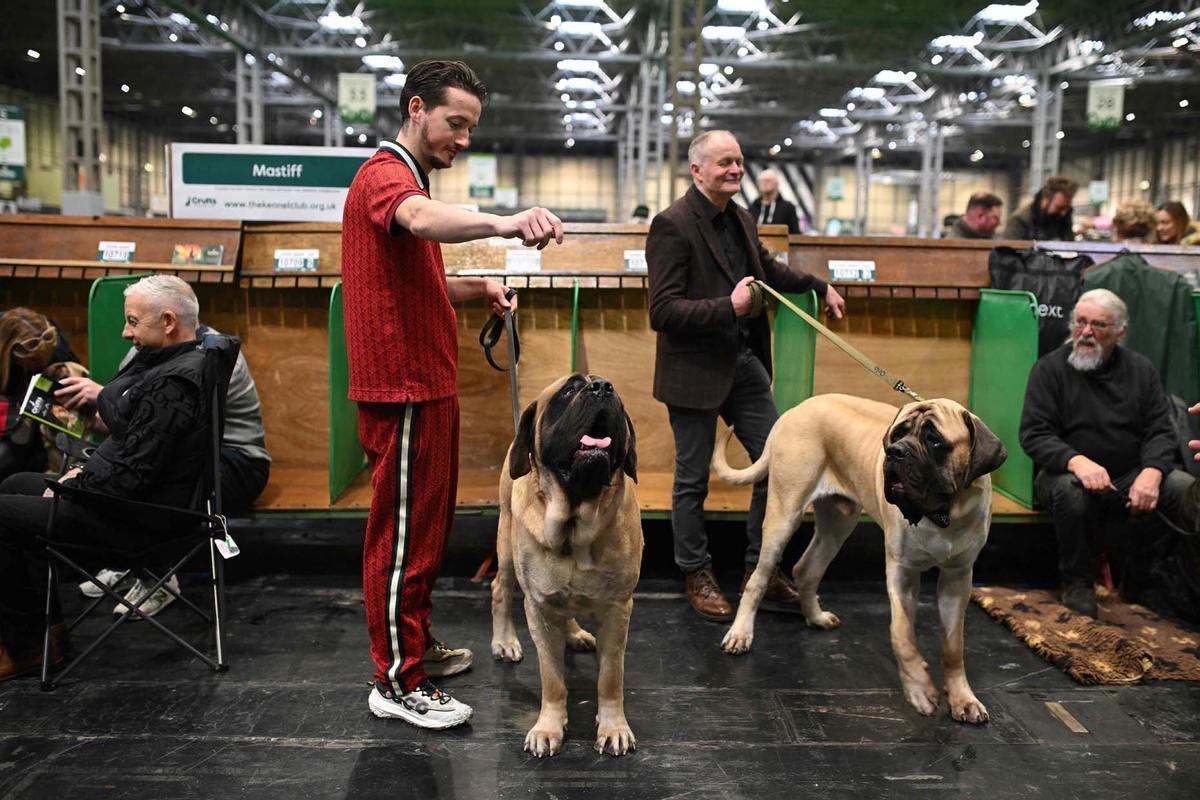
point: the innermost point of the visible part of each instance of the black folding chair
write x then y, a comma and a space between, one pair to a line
179, 534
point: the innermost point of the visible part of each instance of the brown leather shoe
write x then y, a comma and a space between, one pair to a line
781, 595
705, 596
14, 666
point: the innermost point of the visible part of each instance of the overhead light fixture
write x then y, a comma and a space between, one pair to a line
188, 111
937, 59
707, 70
559, 46
577, 28
742, 6
1065, 85
80, 71
349, 129
876, 152
583, 65
1002, 14
213, 120
362, 138
976, 155
396, 80
1025, 143
723, 33
685, 87
872, 94
833, 113
382, 62
1060, 135
891, 145
360, 41
775, 150
33, 55
1089, 46
728, 69
333, 21
1130, 117
1183, 103
318, 113
1156, 18
120, 8
954, 41
893, 77
570, 142
174, 37
578, 85
125, 88
787, 142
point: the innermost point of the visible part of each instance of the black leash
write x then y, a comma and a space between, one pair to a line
489, 337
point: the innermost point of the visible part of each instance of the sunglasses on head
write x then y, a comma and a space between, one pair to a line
35, 344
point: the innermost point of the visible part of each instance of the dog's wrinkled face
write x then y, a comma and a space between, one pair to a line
932, 451
577, 430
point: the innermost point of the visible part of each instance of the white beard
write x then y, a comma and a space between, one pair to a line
1086, 361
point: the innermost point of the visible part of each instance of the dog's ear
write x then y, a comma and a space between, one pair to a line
520, 453
987, 451
630, 464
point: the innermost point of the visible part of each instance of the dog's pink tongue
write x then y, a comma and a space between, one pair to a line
588, 441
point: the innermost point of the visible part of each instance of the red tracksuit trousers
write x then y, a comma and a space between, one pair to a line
413, 448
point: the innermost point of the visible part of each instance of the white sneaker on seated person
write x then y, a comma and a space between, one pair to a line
108, 577
441, 661
157, 602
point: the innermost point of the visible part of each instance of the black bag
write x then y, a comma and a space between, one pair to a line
1055, 281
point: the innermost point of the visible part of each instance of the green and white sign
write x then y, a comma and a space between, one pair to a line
1105, 104
481, 176
12, 143
356, 98
262, 183
305, 260
835, 187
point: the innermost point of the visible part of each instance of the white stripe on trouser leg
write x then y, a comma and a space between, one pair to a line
396, 584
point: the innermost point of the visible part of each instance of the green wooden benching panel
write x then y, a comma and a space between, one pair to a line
1004, 347
346, 456
106, 320
795, 352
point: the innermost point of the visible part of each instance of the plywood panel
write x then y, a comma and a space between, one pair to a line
262, 240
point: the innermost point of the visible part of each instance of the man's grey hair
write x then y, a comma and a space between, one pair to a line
169, 292
697, 149
1109, 301
769, 173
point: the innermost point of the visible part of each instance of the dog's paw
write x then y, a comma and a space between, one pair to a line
506, 650
737, 642
825, 620
615, 740
923, 697
544, 741
581, 642
967, 708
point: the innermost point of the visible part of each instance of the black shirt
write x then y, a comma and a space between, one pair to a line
733, 243
1116, 415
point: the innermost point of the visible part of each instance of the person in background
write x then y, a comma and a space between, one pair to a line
1134, 222
29, 342
980, 220
1174, 226
640, 215
771, 209
1048, 216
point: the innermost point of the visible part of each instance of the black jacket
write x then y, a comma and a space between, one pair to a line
1118, 415
690, 280
156, 415
784, 213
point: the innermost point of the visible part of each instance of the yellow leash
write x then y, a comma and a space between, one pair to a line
842, 344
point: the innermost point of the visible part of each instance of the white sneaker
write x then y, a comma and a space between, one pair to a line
157, 602
108, 577
426, 706
441, 661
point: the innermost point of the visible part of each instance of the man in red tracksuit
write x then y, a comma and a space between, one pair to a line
403, 349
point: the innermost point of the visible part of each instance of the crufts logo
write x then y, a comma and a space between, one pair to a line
200, 201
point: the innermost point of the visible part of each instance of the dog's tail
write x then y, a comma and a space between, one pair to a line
751, 474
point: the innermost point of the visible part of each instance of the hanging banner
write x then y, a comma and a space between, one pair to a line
835, 187
266, 183
12, 143
1105, 104
481, 176
356, 98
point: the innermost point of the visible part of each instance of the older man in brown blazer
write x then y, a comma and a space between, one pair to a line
713, 358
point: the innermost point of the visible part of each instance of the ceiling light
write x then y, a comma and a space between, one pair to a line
708, 70
976, 155
33, 55
575, 28
728, 69
570, 142
362, 138
850, 106
668, 107
876, 152
872, 94
120, 8
743, 51
723, 33
318, 113
1183, 103
775, 150
665, 119
188, 111
1130, 117
584, 65
559, 46
125, 88
742, 6
1006, 14
148, 167
80, 71
578, 85
1065, 85
396, 80
213, 120
212, 20
956, 41
937, 59
763, 25
1156, 18
893, 77
360, 41
377, 61
1060, 135
173, 37
333, 21
685, 87
1090, 46
891, 145
833, 113
349, 129
787, 142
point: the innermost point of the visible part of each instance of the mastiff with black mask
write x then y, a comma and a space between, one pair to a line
922, 474
570, 533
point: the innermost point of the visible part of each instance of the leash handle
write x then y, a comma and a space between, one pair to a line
489, 335
895, 382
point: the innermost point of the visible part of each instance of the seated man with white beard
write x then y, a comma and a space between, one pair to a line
1097, 424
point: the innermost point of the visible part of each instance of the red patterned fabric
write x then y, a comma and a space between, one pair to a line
413, 449
400, 325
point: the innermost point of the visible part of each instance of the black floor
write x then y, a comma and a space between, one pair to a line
806, 714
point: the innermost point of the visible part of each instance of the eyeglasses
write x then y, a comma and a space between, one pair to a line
34, 344
1099, 326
